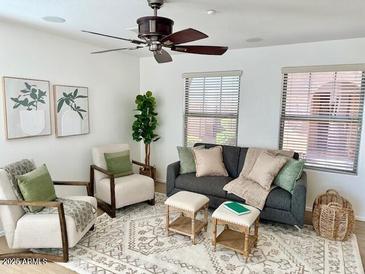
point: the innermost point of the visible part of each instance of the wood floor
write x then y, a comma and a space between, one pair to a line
53, 268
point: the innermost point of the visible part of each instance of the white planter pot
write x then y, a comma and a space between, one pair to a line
71, 123
32, 122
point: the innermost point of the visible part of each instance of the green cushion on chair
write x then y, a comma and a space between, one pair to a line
289, 174
119, 163
37, 185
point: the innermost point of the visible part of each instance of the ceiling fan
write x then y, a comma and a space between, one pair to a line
155, 32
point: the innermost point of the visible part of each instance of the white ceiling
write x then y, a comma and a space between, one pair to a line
275, 21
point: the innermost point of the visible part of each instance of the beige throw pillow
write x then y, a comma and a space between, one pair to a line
209, 162
265, 169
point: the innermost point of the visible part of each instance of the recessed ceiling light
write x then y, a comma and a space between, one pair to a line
54, 19
254, 40
211, 12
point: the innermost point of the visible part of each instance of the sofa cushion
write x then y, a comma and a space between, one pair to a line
209, 185
289, 174
279, 198
186, 157
209, 162
231, 155
265, 169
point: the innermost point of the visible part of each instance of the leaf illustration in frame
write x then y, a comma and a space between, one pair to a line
71, 109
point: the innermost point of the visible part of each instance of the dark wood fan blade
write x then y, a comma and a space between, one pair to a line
110, 50
183, 36
209, 50
162, 56
138, 42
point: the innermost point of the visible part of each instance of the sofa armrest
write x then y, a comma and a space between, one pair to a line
299, 199
173, 170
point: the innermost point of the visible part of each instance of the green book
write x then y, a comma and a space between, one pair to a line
237, 208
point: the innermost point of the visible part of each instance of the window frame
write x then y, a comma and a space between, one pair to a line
324, 69
229, 73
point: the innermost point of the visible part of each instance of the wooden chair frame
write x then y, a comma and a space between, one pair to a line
61, 215
110, 209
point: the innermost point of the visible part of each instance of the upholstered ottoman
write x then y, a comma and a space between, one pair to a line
188, 204
236, 234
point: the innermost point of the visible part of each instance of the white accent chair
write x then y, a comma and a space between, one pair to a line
25, 230
113, 193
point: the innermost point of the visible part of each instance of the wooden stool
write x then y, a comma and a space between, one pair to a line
236, 234
188, 204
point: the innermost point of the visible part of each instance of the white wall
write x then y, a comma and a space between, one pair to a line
113, 81
259, 105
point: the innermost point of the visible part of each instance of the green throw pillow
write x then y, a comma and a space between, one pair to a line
289, 174
186, 157
37, 185
119, 163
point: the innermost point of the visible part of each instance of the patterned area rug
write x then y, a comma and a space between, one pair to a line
136, 242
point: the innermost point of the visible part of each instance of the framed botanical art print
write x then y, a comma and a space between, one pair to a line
71, 110
27, 107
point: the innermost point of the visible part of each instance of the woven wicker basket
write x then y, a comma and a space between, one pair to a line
333, 217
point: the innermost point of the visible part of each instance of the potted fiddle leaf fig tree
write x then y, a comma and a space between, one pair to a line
144, 128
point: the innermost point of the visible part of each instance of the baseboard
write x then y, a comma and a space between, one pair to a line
358, 218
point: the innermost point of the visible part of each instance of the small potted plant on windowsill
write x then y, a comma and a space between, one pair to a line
144, 129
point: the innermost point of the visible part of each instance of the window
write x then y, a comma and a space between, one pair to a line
211, 107
321, 118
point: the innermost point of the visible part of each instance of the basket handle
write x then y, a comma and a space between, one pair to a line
334, 204
332, 191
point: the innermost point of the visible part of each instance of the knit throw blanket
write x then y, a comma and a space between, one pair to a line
252, 192
15, 169
82, 212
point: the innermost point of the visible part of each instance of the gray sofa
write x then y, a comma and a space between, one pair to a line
281, 206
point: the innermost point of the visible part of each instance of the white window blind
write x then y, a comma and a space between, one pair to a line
321, 116
211, 107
